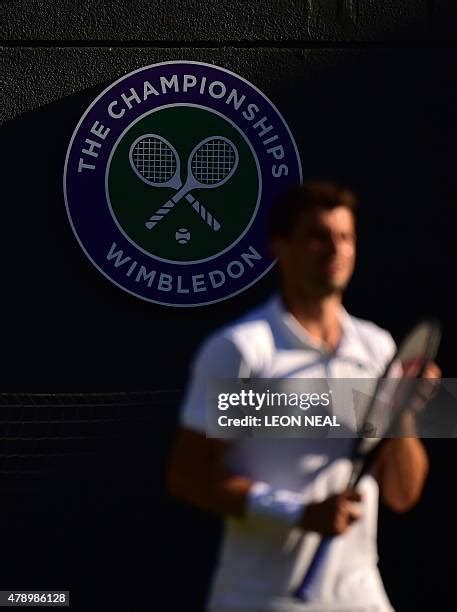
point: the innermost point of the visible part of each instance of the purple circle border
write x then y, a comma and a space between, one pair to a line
85, 197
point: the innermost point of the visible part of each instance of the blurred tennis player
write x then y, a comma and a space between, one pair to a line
279, 496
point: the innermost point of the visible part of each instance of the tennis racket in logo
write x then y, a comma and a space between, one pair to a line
156, 162
211, 164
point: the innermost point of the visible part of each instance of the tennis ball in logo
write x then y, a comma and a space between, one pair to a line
182, 235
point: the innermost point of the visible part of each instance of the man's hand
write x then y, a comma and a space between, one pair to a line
424, 390
432, 370
334, 515
427, 386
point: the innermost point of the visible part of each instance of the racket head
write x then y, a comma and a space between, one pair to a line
394, 391
155, 161
212, 162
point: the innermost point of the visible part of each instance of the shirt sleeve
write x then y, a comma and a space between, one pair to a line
382, 348
218, 358
390, 348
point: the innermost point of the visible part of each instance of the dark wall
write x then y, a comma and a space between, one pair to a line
175, 21
368, 90
380, 119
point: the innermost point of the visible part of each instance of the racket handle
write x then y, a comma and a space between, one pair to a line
204, 214
199, 208
305, 588
159, 214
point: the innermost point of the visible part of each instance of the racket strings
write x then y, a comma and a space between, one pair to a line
213, 162
154, 160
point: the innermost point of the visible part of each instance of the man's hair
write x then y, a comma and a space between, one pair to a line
311, 194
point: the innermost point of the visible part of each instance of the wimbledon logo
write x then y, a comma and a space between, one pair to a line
169, 179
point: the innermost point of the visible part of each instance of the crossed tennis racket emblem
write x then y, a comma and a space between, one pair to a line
212, 162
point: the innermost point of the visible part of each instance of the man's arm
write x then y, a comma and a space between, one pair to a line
196, 474
402, 465
401, 470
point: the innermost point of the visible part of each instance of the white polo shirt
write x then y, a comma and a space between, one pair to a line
262, 562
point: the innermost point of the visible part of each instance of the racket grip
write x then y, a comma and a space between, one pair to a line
159, 214
304, 589
204, 214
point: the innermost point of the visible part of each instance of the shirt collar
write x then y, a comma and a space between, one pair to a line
350, 347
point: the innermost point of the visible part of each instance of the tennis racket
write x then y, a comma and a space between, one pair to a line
395, 392
211, 164
156, 162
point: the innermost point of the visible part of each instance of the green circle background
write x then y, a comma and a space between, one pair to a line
133, 201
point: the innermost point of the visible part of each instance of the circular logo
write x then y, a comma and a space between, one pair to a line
169, 179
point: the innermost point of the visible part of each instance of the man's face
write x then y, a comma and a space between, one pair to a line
318, 256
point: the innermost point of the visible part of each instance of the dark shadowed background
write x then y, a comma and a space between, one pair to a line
369, 91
